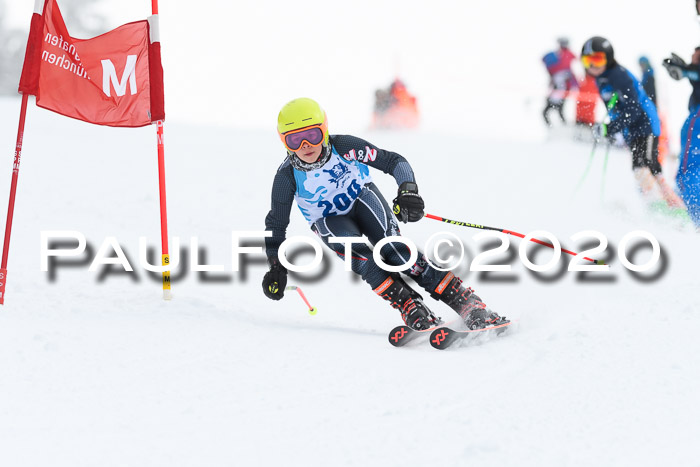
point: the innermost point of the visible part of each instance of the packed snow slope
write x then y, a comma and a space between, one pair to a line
97, 369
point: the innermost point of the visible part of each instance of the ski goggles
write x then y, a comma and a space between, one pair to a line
295, 139
596, 59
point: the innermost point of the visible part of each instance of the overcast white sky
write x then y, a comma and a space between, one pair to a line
236, 63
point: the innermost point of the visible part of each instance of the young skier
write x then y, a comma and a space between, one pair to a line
328, 177
631, 113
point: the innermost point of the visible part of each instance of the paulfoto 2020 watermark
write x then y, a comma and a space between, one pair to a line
443, 250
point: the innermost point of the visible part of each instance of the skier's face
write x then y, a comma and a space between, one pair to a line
308, 153
595, 70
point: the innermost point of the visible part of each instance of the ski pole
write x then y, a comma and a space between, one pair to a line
611, 104
312, 309
605, 170
585, 172
608, 108
509, 232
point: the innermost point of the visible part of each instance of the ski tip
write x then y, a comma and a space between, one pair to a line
444, 337
441, 338
399, 336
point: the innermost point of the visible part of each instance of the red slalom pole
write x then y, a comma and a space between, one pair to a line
11, 204
509, 232
167, 292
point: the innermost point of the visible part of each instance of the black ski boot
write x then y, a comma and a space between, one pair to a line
409, 302
466, 303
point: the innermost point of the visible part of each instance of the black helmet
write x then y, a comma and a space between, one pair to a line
599, 44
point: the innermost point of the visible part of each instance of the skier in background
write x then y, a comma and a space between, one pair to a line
395, 107
648, 81
561, 79
328, 177
688, 176
631, 113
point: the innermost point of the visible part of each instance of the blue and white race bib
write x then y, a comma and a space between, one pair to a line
330, 190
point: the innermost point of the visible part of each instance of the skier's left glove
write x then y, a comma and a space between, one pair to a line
408, 205
275, 280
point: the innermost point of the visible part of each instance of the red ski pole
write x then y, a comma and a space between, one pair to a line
509, 232
312, 309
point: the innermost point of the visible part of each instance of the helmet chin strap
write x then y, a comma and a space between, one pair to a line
308, 166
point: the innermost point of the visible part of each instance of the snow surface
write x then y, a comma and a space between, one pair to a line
102, 371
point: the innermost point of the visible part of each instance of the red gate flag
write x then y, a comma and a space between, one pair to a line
114, 79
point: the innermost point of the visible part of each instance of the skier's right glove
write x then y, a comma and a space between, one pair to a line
675, 66
408, 205
275, 280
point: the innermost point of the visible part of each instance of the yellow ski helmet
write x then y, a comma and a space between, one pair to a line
302, 120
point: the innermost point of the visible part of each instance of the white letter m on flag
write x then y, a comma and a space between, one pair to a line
109, 74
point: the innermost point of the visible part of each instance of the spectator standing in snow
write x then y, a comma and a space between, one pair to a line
561, 79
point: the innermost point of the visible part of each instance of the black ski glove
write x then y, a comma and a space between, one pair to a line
675, 66
275, 280
408, 205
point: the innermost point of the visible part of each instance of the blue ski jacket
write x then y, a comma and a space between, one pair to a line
632, 113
